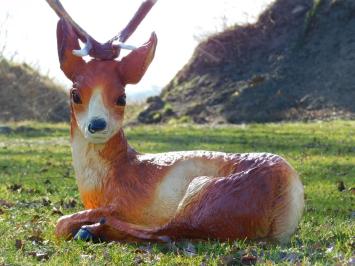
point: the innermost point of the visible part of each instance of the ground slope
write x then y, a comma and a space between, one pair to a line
27, 95
296, 63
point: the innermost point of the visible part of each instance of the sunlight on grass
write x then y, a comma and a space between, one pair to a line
36, 175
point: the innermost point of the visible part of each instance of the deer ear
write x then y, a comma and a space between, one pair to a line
68, 41
134, 65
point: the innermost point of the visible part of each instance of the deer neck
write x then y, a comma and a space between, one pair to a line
95, 163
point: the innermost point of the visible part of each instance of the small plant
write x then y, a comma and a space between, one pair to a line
185, 119
310, 17
167, 110
157, 117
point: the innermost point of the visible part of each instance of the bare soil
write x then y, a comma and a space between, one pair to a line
296, 63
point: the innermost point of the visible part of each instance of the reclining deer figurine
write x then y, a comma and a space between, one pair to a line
135, 197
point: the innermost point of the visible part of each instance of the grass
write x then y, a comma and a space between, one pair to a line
37, 186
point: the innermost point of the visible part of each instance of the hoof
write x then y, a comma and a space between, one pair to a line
83, 234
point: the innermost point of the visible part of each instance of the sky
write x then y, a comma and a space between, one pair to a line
28, 31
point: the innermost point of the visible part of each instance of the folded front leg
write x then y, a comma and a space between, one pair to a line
104, 224
113, 229
68, 225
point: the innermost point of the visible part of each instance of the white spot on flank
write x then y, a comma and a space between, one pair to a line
178, 180
195, 188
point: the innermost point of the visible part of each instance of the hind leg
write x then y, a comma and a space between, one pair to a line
264, 202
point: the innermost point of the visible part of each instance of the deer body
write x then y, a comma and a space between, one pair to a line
151, 192
167, 196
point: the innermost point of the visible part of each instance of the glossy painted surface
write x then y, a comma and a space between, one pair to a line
108, 50
169, 196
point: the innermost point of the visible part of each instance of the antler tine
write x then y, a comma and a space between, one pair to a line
143, 10
108, 50
82, 34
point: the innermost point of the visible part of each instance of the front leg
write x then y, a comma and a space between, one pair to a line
114, 229
105, 224
68, 225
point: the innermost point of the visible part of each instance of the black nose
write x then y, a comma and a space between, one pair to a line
96, 126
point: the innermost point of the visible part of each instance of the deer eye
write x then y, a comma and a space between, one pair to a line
76, 98
121, 101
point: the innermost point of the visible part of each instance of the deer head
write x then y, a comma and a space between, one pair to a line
98, 95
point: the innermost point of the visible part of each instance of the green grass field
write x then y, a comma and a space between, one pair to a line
37, 186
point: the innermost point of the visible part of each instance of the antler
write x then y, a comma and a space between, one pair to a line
108, 50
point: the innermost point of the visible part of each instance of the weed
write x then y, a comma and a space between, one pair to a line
167, 110
309, 20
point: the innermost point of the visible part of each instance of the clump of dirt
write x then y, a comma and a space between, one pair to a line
296, 63
27, 95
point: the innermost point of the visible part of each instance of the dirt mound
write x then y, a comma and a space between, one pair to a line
296, 63
27, 95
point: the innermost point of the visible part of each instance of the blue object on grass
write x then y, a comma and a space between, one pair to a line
83, 234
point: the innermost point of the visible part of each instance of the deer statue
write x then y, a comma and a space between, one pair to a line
135, 197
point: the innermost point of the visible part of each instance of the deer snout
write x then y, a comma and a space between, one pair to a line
97, 126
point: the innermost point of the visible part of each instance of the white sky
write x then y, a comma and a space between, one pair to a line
30, 31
